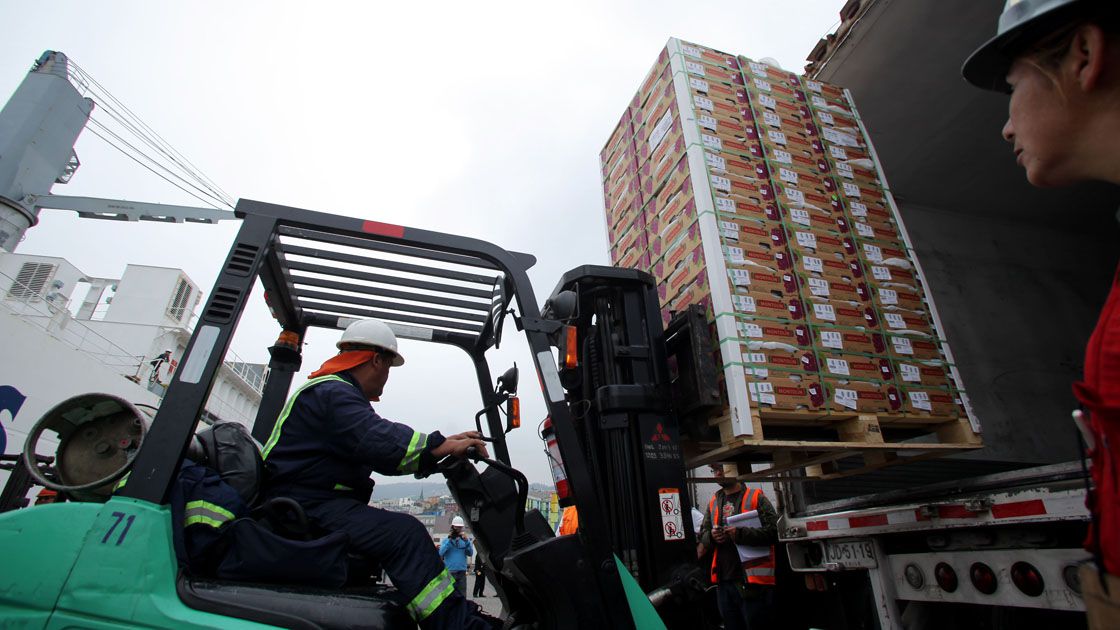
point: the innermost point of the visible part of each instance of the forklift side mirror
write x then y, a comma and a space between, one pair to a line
562, 306
507, 382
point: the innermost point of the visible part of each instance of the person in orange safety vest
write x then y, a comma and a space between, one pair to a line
744, 591
569, 522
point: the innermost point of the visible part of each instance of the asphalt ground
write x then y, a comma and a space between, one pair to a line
490, 602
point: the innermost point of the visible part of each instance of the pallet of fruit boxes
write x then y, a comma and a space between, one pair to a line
756, 195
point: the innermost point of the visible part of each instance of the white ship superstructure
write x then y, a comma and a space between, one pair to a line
64, 332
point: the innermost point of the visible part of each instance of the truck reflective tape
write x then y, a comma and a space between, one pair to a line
672, 524
1070, 504
955, 511
902, 516
871, 520
817, 526
1020, 508
549, 376
383, 229
203, 347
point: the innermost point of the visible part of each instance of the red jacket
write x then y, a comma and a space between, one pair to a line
1100, 394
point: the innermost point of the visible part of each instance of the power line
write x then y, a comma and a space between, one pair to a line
157, 143
152, 160
133, 158
173, 162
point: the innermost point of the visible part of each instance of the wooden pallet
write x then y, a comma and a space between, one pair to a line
799, 445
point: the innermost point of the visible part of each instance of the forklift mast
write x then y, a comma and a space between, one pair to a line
621, 403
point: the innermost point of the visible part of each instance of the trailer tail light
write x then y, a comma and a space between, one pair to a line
946, 577
514, 413
914, 576
570, 348
983, 578
1027, 579
1071, 575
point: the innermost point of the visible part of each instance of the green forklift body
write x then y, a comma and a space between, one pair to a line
92, 565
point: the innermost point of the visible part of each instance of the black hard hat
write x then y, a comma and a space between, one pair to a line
1022, 23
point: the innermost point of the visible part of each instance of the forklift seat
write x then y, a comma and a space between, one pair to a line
289, 606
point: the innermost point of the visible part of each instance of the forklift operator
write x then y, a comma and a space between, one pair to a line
326, 443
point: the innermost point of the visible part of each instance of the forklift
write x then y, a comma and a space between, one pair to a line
612, 390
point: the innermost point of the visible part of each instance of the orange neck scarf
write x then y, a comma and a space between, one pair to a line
343, 361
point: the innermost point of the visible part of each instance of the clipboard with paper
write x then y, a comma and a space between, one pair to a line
749, 553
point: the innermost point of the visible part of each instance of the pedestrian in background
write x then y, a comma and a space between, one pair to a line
744, 591
479, 578
455, 550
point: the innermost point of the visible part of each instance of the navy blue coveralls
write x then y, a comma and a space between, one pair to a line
322, 450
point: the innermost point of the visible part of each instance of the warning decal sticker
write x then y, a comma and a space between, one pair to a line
672, 527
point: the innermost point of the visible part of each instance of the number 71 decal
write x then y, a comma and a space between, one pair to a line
120, 516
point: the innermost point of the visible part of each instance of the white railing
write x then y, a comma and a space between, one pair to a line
53, 316
226, 411
255, 379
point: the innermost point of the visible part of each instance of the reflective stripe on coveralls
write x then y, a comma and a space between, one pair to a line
416, 447
408, 464
760, 573
206, 513
275, 437
424, 604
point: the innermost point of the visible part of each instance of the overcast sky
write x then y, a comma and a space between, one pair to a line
482, 119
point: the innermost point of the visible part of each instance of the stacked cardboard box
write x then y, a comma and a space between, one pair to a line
756, 193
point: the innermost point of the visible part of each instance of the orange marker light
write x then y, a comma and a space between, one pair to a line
288, 339
571, 351
514, 412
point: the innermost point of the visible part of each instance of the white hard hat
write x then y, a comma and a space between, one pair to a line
457, 522
374, 333
1022, 23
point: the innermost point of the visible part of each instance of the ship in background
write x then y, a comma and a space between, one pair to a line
64, 332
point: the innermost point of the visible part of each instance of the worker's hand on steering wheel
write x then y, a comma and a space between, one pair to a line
458, 444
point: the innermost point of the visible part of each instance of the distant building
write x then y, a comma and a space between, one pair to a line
545, 503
